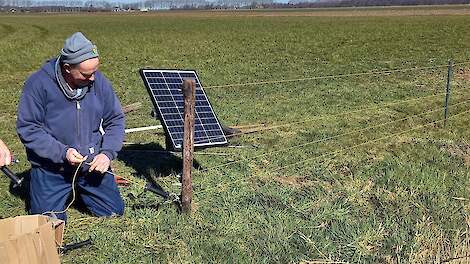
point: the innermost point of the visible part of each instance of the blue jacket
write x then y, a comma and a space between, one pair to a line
48, 123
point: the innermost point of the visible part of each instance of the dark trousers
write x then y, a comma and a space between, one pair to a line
51, 190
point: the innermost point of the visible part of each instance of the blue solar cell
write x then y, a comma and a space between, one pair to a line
178, 97
211, 127
173, 86
202, 103
212, 133
174, 81
166, 104
176, 129
156, 80
172, 116
169, 111
200, 98
203, 109
209, 120
170, 74
176, 91
155, 74
164, 98
205, 115
187, 75
174, 123
164, 86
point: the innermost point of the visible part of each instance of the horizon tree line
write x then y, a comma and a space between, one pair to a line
210, 4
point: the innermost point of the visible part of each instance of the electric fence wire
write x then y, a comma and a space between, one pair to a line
221, 186
326, 139
333, 76
315, 118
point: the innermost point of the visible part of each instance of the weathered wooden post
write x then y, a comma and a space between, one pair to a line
449, 81
189, 92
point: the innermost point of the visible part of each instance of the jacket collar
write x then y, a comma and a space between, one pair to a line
71, 94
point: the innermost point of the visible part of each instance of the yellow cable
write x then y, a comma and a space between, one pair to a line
73, 193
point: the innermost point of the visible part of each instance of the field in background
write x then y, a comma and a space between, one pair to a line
286, 197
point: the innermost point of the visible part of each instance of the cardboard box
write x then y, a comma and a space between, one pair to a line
31, 239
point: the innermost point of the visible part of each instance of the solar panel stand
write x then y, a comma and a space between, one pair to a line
189, 94
168, 143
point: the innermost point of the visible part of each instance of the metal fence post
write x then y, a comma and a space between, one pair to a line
449, 81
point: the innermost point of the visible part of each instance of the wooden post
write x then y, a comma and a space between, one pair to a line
189, 93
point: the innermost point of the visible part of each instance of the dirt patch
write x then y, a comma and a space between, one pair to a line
293, 181
297, 182
461, 150
344, 170
463, 74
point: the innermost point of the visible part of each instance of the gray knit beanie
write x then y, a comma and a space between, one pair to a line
77, 48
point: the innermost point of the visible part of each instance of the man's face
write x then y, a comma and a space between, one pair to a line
84, 73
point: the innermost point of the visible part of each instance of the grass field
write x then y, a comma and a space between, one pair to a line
314, 191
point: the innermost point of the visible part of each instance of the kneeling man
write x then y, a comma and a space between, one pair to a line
68, 116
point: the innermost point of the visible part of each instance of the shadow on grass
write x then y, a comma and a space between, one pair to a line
151, 161
22, 191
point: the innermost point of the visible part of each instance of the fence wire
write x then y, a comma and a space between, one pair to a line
221, 186
329, 138
335, 76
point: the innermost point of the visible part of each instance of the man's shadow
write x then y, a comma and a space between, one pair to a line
151, 161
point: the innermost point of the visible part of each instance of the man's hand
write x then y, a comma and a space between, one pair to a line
73, 157
5, 156
100, 163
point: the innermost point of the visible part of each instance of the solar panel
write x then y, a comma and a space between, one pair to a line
164, 88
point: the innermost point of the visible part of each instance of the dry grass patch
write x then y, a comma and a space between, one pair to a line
463, 74
460, 150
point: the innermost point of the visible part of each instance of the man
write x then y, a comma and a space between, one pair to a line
62, 110
5, 156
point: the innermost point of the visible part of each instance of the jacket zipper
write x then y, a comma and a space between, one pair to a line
78, 123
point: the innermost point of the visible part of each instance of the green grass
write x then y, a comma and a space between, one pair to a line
403, 199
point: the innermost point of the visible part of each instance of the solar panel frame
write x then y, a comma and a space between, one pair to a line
177, 108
